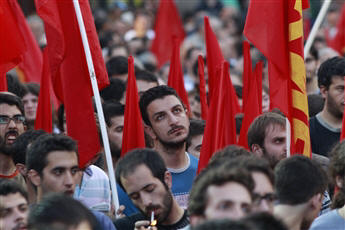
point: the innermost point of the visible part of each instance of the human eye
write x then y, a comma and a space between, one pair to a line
119, 129
225, 205
4, 119
5, 212
177, 110
150, 188
58, 172
134, 196
19, 118
23, 207
74, 170
246, 208
159, 117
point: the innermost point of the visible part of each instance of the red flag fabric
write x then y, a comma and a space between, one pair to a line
282, 45
273, 44
167, 25
133, 130
338, 42
175, 78
214, 62
32, 63
12, 45
44, 110
220, 129
70, 72
247, 72
202, 88
252, 107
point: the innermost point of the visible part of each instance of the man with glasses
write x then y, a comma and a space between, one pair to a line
12, 124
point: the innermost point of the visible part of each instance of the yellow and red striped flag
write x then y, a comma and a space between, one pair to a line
278, 34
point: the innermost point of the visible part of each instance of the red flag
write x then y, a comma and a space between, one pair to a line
69, 69
44, 111
252, 107
214, 62
282, 45
202, 88
220, 129
247, 72
133, 130
12, 45
338, 42
32, 63
175, 79
167, 25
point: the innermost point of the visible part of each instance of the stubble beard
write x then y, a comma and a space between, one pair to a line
333, 108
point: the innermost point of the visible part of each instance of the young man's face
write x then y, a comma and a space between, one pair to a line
30, 102
115, 131
274, 146
13, 212
263, 193
230, 200
10, 131
61, 173
334, 96
148, 193
195, 145
169, 120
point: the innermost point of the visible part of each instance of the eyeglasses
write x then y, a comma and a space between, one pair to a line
18, 119
269, 197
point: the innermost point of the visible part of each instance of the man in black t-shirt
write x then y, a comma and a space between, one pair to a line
325, 127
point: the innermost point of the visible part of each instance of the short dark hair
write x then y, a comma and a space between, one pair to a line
256, 164
297, 179
217, 176
148, 157
257, 129
264, 221
62, 210
114, 91
10, 99
19, 147
36, 157
196, 128
152, 94
330, 68
228, 153
32, 88
315, 104
117, 65
221, 224
145, 75
112, 109
11, 187
337, 168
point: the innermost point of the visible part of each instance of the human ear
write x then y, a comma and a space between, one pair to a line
323, 91
168, 178
149, 131
257, 150
34, 177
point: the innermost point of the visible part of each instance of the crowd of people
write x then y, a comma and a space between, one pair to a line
43, 187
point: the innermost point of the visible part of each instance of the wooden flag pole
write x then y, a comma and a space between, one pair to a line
98, 104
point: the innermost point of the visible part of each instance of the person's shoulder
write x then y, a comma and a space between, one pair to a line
330, 220
128, 222
193, 160
103, 220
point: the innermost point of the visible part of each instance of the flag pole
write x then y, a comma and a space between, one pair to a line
98, 104
316, 26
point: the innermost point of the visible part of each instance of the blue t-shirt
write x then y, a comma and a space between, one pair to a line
329, 221
182, 180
